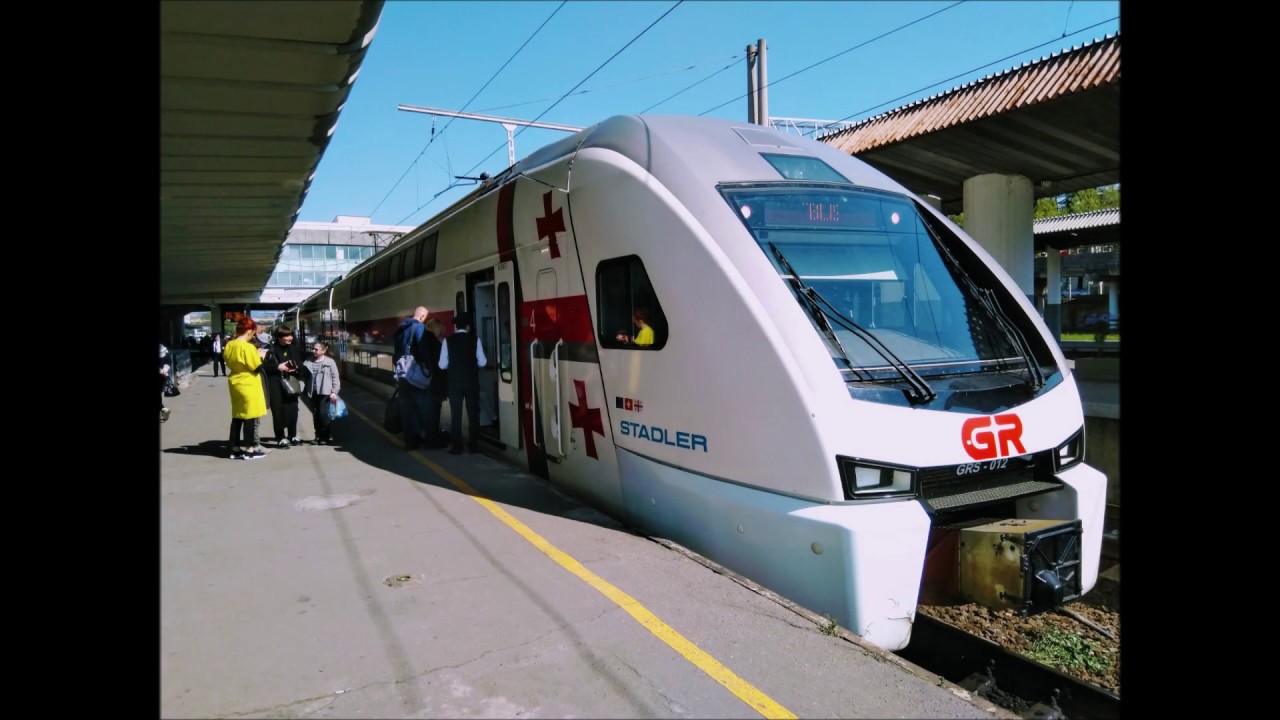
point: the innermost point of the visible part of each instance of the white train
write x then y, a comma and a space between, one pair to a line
835, 377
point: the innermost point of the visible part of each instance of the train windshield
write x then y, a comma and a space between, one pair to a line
889, 300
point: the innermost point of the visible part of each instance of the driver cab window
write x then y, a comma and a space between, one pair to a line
630, 316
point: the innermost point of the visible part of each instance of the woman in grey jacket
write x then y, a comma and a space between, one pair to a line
322, 390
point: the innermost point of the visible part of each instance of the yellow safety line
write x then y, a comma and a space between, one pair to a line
745, 691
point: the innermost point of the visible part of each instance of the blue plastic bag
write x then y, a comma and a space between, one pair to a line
336, 410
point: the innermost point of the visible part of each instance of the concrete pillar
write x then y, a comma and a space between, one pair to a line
1113, 303
1053, 291
215, 320
171, 326
998, 212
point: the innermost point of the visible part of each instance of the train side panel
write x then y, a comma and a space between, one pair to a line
724, 375
569, 431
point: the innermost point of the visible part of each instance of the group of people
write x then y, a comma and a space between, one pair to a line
256, 375
453, 364
258, 368
166, 376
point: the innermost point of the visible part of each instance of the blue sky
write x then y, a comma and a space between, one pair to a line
382, 162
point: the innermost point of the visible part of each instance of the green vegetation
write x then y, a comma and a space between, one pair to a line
1088, 337
830, 627
1103, 198
1063, 650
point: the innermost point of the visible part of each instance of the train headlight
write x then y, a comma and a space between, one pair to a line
1070, 452
865, 480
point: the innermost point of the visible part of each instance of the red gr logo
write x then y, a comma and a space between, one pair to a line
990, 437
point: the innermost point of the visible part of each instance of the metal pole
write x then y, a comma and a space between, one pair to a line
751, 84
487, 118
511, 143
763, 115
509, 123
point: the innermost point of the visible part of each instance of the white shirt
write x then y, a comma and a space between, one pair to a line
481, 361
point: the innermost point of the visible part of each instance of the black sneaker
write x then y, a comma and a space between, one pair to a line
237, 454
283, 444
254, 455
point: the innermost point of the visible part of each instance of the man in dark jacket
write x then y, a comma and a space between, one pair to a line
433, 342
415, 403
463, 356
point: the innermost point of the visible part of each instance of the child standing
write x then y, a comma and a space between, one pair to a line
322, 390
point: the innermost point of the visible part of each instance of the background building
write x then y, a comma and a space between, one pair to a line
316, 253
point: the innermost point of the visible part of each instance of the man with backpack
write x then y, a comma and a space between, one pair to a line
414, 346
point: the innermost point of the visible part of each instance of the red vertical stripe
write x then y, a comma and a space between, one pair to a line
506, 227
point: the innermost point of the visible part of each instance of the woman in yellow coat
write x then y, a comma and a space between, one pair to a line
248, 400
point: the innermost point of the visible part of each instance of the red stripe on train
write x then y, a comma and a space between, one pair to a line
565, 318
506, 229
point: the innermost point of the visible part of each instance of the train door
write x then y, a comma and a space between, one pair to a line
544, 359
482, 291
333, 330
505, 360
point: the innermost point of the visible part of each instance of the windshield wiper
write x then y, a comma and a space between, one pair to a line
987, 298
814, 311
919, 391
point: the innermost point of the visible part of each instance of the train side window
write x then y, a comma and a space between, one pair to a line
629, 314
413, 261
426, 254
397, 267
382, 274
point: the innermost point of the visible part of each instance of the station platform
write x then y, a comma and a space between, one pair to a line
362, 580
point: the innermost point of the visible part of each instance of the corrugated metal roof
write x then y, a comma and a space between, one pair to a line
1081, 68
250, 93
1077, 221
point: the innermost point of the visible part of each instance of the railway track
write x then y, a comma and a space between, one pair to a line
984, 669
1004, 678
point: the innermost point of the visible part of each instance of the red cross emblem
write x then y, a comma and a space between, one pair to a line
549, 224
586, 418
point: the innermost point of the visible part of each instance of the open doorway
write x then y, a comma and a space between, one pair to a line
484, 310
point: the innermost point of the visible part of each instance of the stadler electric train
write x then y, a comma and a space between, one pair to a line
756, 346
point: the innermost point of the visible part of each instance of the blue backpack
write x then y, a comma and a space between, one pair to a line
406, 367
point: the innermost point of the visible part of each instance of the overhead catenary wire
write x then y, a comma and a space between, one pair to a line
549, 108
671, 97
842, 52
435, 135
731, 59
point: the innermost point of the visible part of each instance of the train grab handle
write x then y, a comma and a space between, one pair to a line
555, 364
533, 392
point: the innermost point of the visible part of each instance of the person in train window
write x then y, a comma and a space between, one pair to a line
284, 358
248, 401
467, 357
644, 335
432, 436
